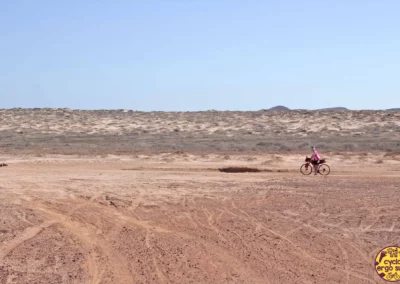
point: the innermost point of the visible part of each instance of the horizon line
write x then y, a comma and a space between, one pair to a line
275, 108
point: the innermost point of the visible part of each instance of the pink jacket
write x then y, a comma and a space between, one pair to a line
315, 156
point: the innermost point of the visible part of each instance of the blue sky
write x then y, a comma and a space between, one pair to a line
191, 55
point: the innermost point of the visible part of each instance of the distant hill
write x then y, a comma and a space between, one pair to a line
333, 109
283, 108
278, 108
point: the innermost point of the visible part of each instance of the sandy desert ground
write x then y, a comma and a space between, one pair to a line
127, 197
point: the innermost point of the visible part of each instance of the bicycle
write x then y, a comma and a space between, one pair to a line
308, 167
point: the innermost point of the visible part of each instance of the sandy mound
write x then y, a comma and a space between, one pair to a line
64, 131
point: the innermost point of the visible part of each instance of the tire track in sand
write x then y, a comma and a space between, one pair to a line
28, 234
161, 277
111, 264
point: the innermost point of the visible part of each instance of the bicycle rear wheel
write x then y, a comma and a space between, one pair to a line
306, 169
324, 169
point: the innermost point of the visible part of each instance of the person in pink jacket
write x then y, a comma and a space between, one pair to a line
315, 159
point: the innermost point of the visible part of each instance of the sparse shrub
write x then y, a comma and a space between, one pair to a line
264, 144
249, 158
239, 170
220, 132
284, 148
391, 153
303, 145
349, 147
321, 146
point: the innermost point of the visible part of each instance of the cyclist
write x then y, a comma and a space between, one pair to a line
315, 159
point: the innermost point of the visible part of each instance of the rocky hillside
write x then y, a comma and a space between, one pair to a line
122, 131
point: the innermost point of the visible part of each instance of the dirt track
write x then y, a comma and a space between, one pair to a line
84, 220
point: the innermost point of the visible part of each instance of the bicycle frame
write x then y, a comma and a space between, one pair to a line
310, 163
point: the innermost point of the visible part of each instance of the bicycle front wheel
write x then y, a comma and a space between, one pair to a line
306, 169
324, 169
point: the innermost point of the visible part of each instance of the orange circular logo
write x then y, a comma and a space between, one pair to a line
387, 264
